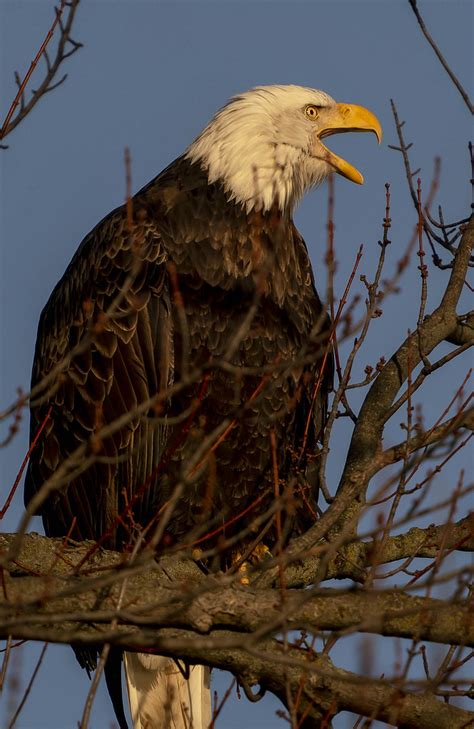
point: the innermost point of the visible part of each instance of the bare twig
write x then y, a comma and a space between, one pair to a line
444, 63
28, 688
12, 120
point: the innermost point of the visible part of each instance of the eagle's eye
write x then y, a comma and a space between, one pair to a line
312, 111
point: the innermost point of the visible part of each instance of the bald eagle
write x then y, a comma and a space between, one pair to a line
189, 319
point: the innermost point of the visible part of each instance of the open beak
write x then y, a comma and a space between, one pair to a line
342, 118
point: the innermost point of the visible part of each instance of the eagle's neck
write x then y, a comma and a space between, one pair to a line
256, 170
258, 176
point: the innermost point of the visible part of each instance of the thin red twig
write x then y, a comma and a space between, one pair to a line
34, 63
6, 506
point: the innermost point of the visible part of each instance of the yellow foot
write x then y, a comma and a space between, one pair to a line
257, 555
260, 553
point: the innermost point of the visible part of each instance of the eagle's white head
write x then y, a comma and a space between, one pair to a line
265, 145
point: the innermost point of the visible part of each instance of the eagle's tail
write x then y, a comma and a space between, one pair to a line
162, 698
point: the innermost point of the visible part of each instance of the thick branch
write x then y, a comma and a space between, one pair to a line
157, 596
464, 332
354, 558
324, 689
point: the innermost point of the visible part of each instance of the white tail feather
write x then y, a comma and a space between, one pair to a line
161, 698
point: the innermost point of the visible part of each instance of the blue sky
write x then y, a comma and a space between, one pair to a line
149, 77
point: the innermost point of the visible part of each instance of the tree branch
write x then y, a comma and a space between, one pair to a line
173, 593
353, 558
464, 332
11, 121
361, 462
464, 419
440, 56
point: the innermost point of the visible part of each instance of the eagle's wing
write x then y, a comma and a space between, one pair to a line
104, 348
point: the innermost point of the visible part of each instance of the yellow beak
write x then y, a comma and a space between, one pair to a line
342, 118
